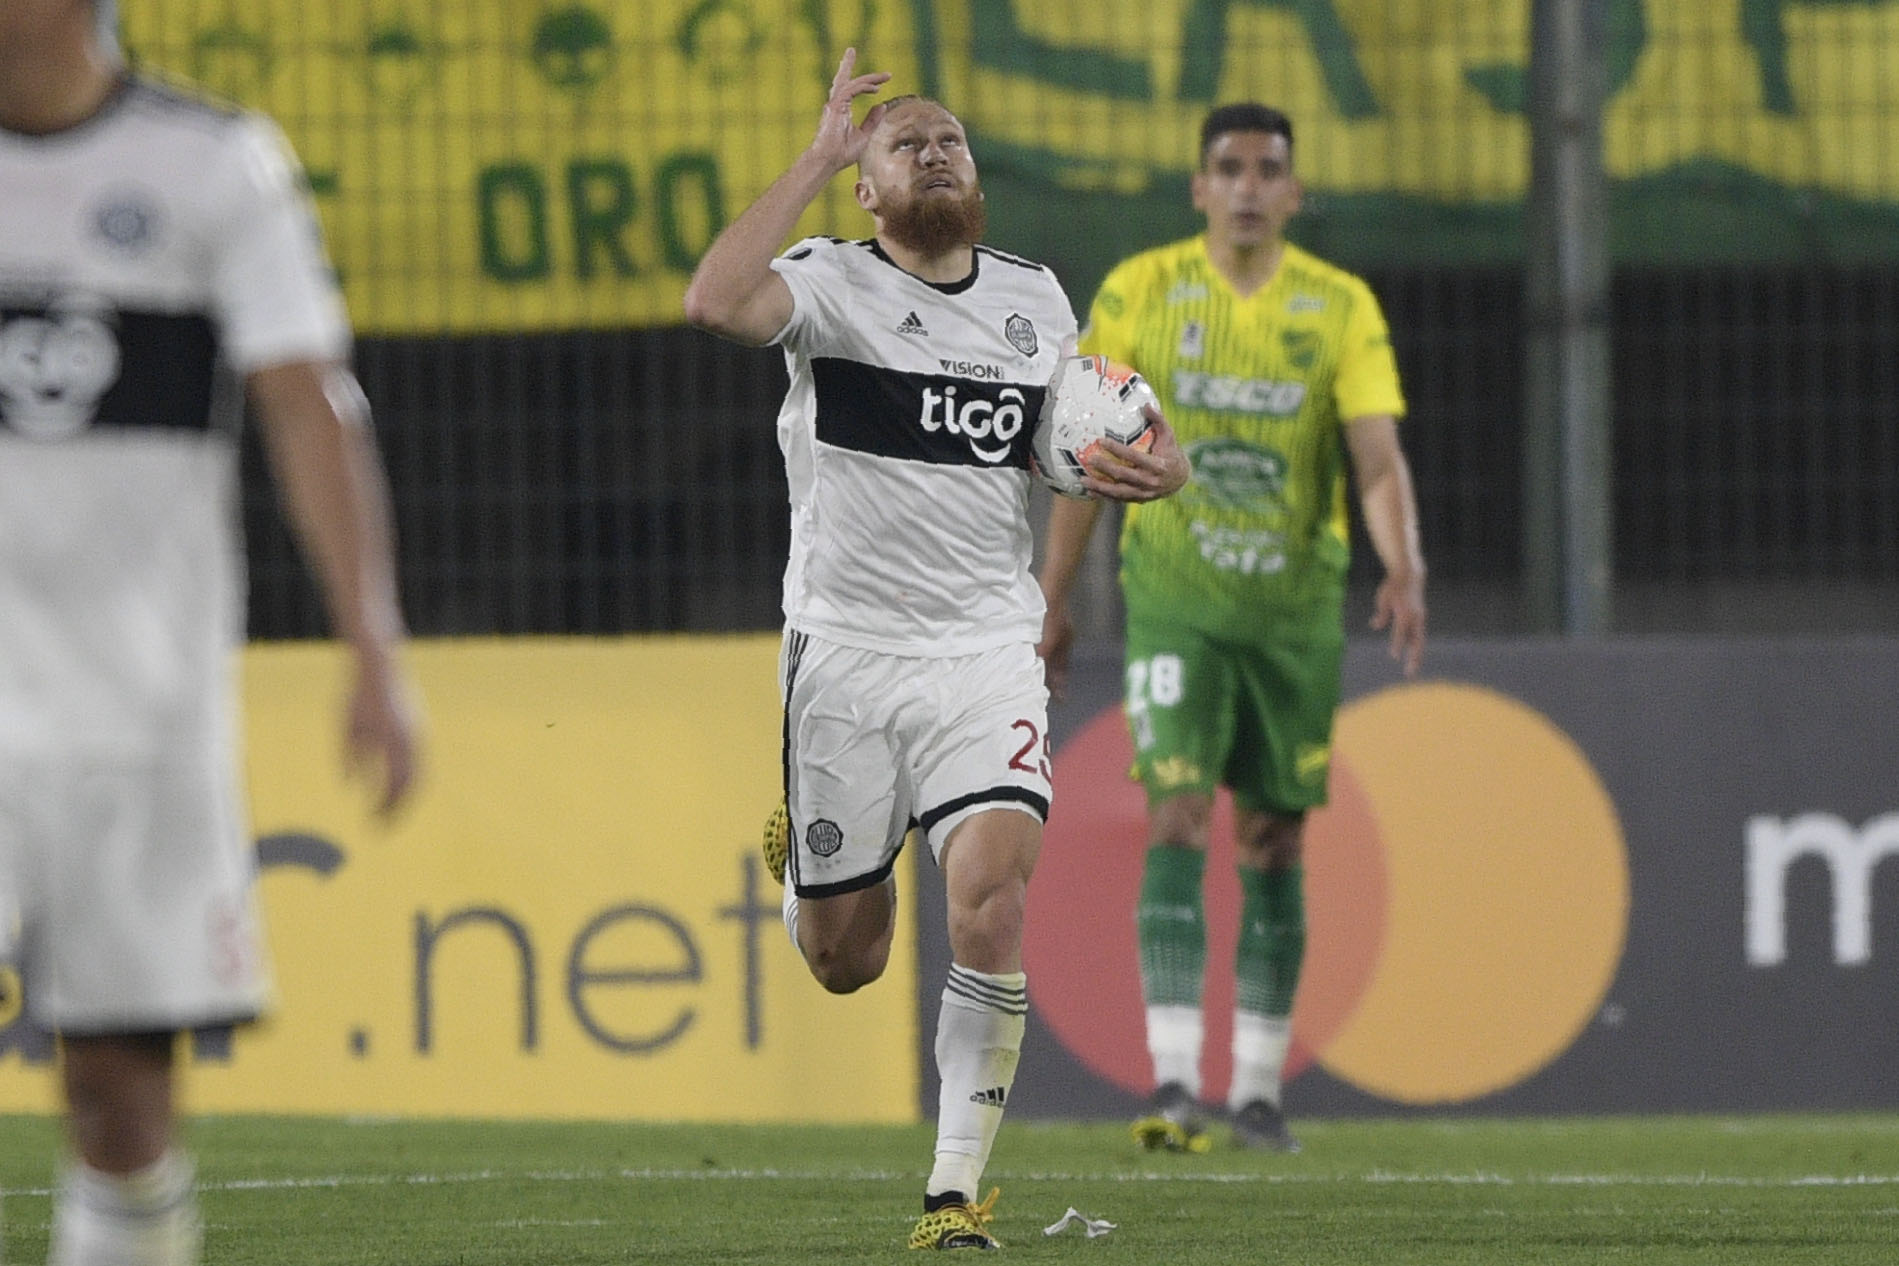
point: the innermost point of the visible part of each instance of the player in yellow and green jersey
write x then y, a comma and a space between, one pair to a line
1273, 367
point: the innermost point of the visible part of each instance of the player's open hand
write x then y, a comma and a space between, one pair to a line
1058, 639
382, 734
1123, 473
839, 140
1399, 606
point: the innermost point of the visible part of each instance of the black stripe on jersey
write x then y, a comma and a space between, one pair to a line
166, 377
994, 795
1007, 258
934, 418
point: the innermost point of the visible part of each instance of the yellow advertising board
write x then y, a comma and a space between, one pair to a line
499, 165
571, 921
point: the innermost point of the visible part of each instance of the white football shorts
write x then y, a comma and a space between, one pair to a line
126, 894
876, 743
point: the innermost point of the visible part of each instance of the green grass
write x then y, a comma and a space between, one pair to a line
295, 1192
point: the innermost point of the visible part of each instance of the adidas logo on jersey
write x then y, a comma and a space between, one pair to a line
912, 324
994, 1097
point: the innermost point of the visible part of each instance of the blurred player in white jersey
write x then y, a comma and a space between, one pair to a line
158, 265
918, 363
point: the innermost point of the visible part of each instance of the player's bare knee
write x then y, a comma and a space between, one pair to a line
1183, 821
846, 971
987, 931
1270, 841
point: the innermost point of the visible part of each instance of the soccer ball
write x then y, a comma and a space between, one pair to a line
1089, 399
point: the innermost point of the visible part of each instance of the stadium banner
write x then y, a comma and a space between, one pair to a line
496, 166
1629, 875
571, 921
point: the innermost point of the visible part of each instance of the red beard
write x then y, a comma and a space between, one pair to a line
930, 225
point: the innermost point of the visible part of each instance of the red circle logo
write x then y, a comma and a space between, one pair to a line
1439, 876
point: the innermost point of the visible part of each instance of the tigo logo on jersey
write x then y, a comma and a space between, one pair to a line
978, 420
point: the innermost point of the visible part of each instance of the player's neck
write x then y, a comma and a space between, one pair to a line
940, 268
1246, 268
50, 84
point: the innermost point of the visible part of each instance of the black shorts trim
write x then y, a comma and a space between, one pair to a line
158, 1028
994, 795
856, 883
793, 657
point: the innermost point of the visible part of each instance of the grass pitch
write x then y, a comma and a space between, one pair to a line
1720, 1191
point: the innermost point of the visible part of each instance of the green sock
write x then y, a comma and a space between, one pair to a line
1173, 926
1272, 939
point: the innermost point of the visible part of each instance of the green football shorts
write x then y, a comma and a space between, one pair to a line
1206, 712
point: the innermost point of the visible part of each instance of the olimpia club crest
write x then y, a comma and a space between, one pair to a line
1020, 332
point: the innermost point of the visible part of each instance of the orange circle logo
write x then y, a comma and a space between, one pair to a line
1467, 895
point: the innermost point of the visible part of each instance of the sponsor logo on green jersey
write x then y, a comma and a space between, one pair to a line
1236, 475
1195, 390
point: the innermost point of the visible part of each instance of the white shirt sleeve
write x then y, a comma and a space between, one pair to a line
272, 287
820, 294
1067, 331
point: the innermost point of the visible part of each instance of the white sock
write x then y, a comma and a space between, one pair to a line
147, 1218
1260, 1043
791, 914
1173, 1040
978, 1044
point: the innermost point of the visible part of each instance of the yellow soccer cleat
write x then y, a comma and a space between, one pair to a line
777, 842
1173, 1123
958, 1226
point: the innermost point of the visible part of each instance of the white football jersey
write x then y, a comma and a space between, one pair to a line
149, 257
906, 434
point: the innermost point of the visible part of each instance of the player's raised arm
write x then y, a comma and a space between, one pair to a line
316, 429
734, 292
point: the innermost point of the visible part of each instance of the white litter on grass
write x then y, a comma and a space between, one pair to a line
1092, 1226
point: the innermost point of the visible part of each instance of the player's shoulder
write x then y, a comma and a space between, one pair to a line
153, 100
1305, 270
1157, 265
825, 249
1020, 279
201, 133
986, 254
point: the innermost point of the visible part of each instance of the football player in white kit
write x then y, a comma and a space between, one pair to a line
158, 264
918, 361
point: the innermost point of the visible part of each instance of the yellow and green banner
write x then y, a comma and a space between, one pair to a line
570, 921
500, 165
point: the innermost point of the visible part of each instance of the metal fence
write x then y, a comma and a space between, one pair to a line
516, 194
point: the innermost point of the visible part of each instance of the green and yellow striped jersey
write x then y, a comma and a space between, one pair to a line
1257, 389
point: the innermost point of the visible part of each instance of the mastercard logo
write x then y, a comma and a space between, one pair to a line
1467, 902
